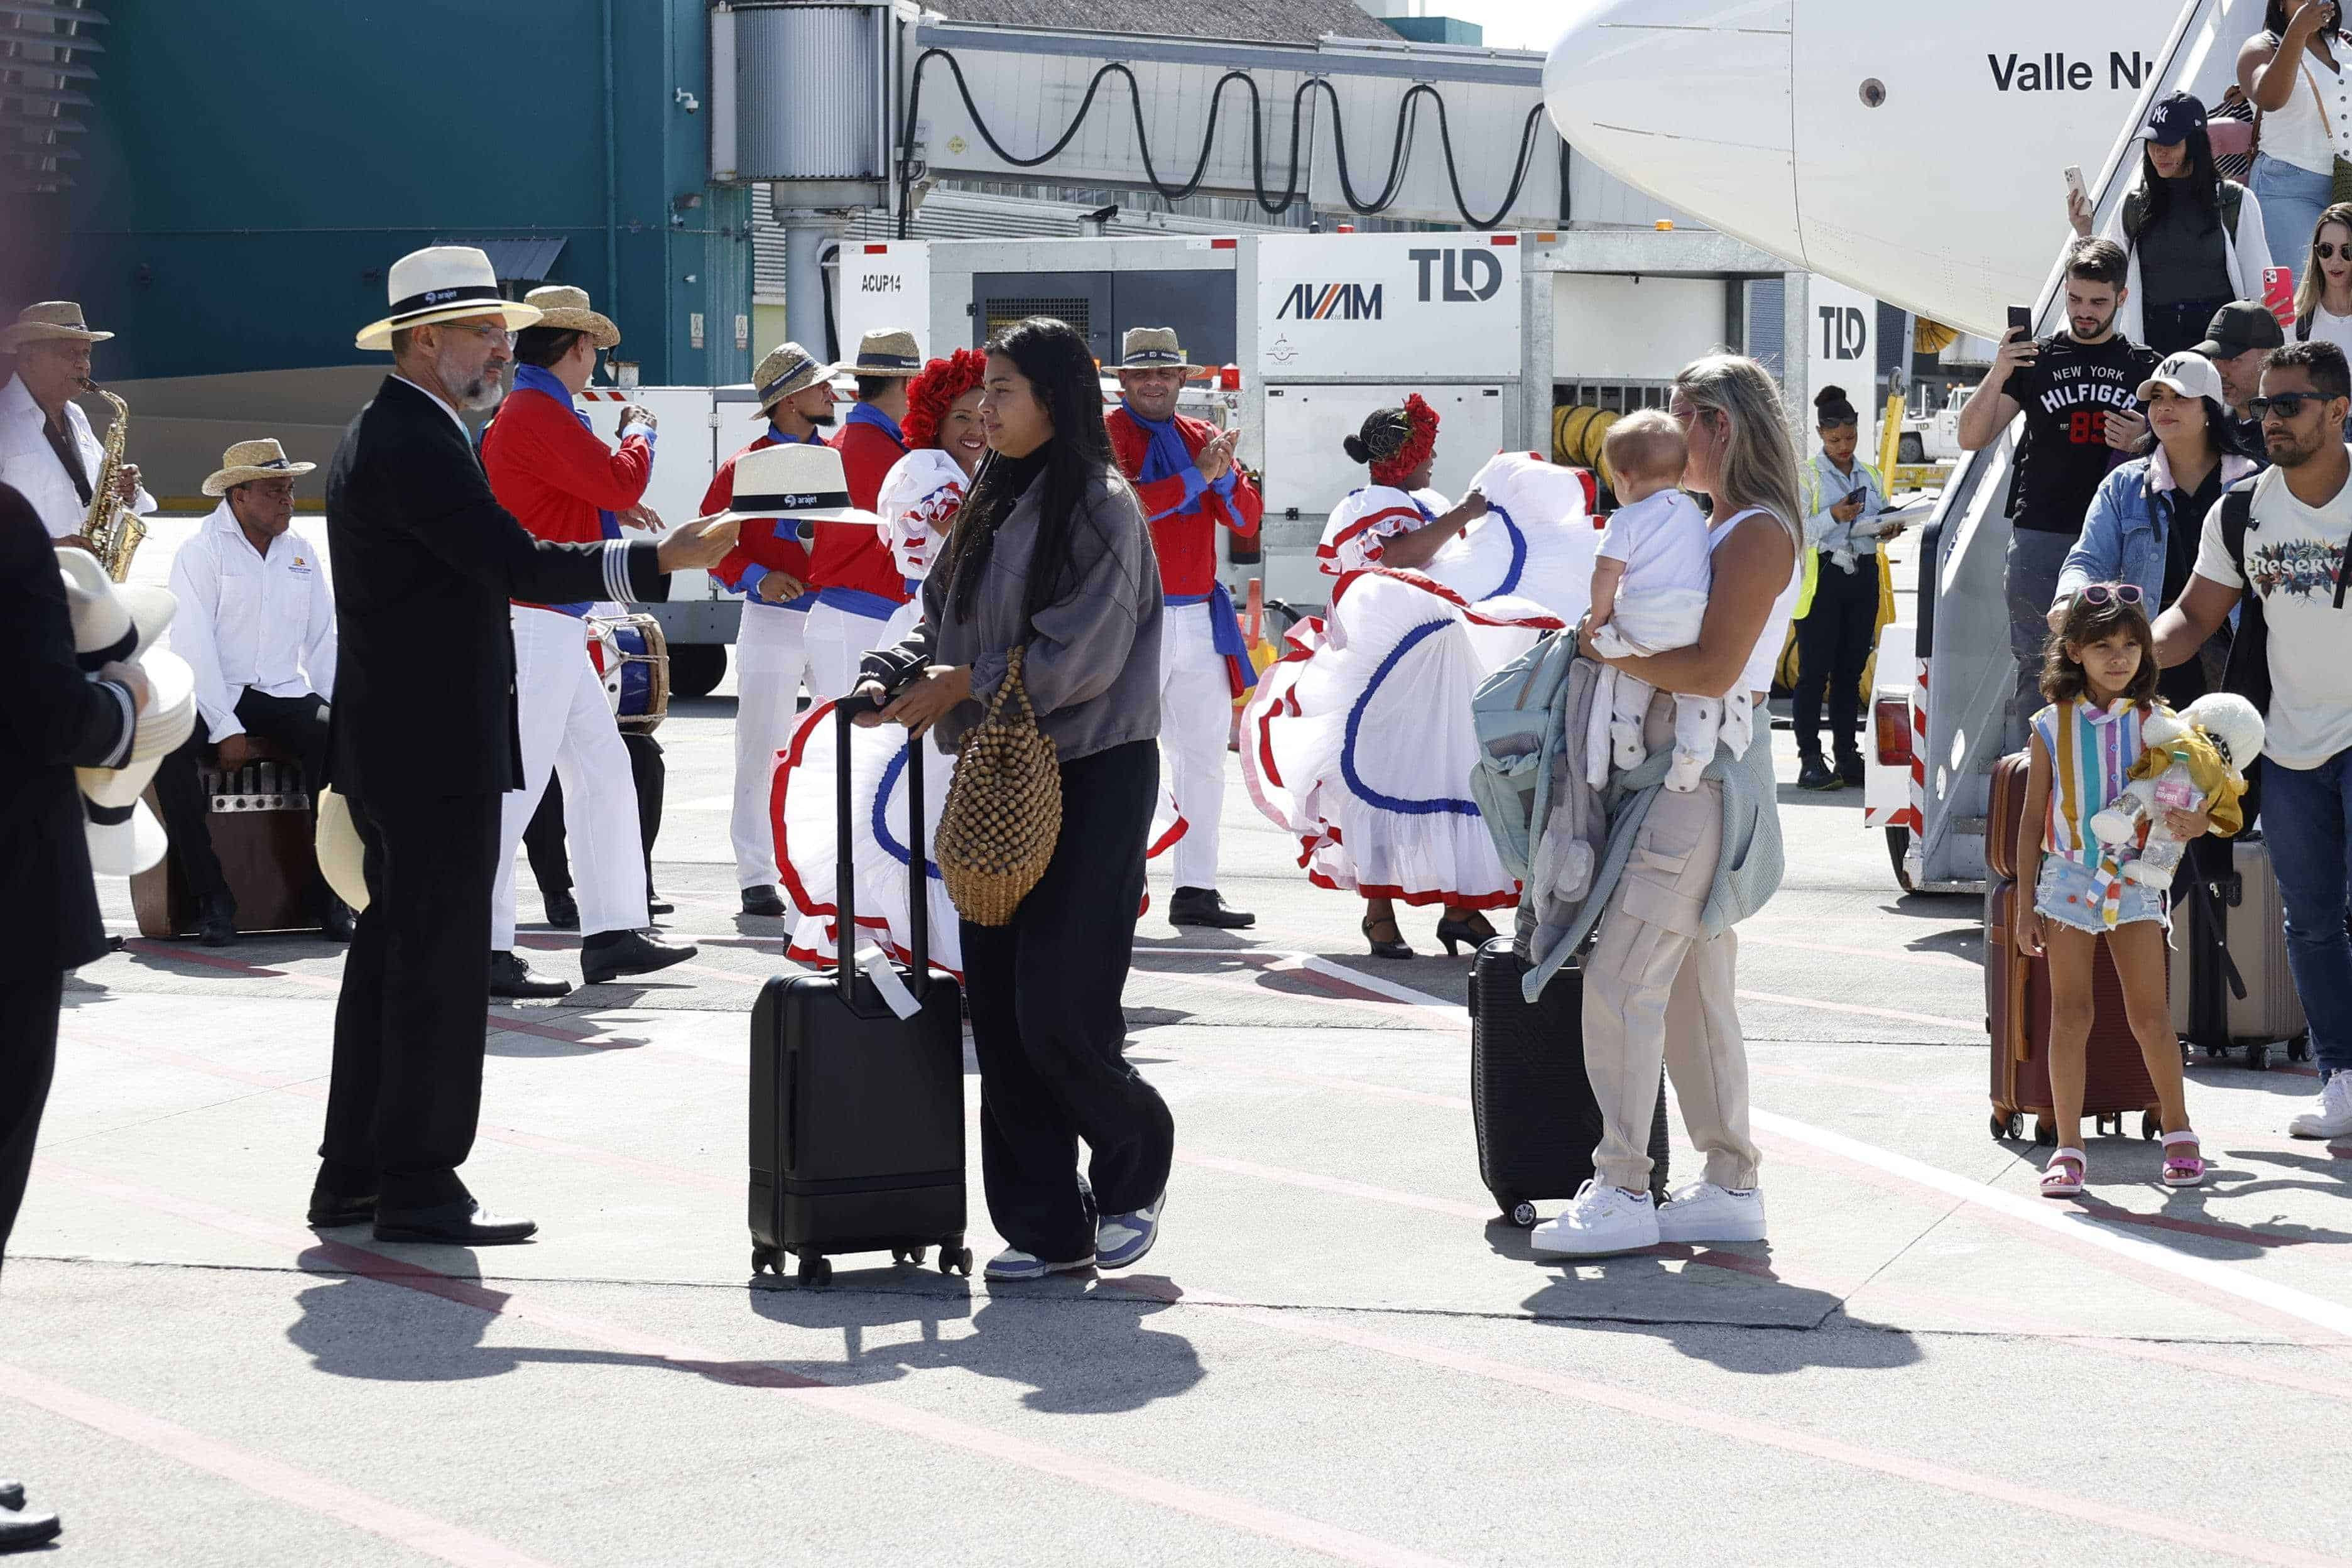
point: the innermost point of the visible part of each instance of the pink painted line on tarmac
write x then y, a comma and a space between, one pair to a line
2099, 1209
1815, 1004
234, 965
1924, 960
1231, 1513
257, 1473
1807, 1445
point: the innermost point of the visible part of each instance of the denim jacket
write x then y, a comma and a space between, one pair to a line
2123, 536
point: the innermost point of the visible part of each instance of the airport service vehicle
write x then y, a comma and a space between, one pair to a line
1788, 146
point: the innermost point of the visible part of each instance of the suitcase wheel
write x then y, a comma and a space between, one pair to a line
2006, 1125
2110, 1126
2151, 1124
913, 1254
815, 1270
954, 1260
2216, 1053
1521, 1214
2045, 1134
764, 1259
2258, 1059
2298, 1049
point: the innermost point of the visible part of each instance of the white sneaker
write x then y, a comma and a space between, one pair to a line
1705, 1212
2332, 1116
1015, 1264
1603, 1219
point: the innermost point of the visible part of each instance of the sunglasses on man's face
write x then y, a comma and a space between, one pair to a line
2286, 405
2112, 593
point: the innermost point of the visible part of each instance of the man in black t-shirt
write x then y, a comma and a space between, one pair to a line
2077, 391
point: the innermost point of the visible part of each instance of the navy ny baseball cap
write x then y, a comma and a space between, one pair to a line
2174, 120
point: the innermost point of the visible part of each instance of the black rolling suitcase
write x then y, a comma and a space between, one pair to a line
1537, 1120
857, 1112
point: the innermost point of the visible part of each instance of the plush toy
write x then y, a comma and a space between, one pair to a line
2192, 759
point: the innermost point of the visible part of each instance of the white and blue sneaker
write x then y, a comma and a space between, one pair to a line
1603, 1219
1123, 1239
1015, 1264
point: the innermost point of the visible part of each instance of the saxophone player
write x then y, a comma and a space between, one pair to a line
48, 450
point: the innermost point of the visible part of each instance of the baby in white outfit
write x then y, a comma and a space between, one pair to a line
1649, 595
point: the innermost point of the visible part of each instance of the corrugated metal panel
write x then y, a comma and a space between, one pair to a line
43, 48
808, 87
1491, 118
1599, 199
1763, 324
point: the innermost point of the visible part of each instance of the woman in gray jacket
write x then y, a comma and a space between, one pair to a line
1050, 551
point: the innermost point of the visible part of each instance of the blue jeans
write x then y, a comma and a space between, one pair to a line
2293, 198
2305, 815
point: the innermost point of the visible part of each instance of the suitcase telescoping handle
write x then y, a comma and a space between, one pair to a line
918, 902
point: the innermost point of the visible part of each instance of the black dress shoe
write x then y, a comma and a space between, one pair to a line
337, 922
610, 954
563, 910
464, 1222
1849, 770
1814, 773
19, 1529
763, 901
216, 920
658, 905
329, 1210
510, 976
1207, 906
12, 1494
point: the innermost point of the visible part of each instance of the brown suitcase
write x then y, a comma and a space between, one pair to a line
261, 830
2017, 1003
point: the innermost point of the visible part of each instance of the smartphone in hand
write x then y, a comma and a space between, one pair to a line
2278, 294
2075, 185
2020, 322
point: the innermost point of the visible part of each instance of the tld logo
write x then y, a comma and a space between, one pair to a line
1844, 331
1466, 275
1330, 302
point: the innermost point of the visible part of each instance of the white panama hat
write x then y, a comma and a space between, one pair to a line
443, 283
113, 623
794, 480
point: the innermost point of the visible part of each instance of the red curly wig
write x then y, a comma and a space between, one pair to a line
934, 390
1419, 441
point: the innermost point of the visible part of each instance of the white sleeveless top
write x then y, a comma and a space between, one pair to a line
1765, 655
2314, 125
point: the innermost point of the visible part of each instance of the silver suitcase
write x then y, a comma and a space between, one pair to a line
2206, 1010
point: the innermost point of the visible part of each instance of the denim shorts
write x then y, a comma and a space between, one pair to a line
2067, 892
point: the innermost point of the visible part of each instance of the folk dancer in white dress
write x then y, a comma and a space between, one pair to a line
1359, 740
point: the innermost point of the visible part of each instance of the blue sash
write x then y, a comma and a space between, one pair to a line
1224, 634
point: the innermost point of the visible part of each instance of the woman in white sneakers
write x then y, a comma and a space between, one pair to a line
1681, 870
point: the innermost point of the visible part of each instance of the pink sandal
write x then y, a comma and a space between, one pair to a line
2062, 1177
2182, 1170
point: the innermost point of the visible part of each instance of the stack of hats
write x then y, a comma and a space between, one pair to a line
114, 624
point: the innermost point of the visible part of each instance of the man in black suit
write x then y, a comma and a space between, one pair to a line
424, 742
57, 718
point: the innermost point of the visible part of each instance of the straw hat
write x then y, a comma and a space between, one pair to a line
562, 305
788, 368
249, 460
51, 319
342, 857
890, 352
443, 283
1151, 348
794, 480
113, 623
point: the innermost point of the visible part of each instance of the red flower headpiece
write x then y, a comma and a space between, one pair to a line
1398, 465
934, 389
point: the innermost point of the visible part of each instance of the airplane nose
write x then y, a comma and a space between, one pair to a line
1687, 100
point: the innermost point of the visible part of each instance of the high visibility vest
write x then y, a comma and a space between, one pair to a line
1809, 482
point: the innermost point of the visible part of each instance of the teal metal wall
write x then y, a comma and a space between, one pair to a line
253, 166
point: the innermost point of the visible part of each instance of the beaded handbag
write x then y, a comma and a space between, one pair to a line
1004, 812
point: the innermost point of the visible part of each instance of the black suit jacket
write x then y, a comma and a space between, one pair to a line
426, 563
56, 718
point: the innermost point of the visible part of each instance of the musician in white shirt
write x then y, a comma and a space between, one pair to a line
46, 448
256, 623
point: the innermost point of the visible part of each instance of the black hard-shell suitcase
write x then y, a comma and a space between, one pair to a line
856, 1113
1538, 1122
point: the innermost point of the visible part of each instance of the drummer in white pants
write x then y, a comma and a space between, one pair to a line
1185, 476
770, 567
562, 484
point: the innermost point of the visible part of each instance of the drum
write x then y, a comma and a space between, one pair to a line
633, 658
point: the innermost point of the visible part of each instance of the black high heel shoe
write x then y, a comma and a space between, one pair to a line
1474, 931
1396, 948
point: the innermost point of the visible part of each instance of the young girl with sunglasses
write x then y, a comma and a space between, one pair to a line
2099, 674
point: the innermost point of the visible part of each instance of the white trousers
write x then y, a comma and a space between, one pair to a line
771, 662
568, 729
1196, 716
838, 640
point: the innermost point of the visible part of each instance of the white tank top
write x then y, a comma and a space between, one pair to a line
2315, 124
1765, 657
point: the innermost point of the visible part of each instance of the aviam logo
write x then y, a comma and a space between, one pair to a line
1331, 303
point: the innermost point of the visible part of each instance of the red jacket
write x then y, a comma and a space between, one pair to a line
854, 555
555, 474
762, 542
1187, 544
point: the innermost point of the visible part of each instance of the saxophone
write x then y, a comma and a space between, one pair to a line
113, 530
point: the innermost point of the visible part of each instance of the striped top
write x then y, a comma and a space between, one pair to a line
1352, 534
2092, 751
